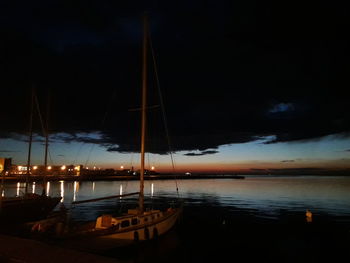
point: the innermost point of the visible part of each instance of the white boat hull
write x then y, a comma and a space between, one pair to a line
104, 239
147, 231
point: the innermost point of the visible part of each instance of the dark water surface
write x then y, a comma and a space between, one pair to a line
257, 218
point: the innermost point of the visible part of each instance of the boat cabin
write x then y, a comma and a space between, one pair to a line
131, 219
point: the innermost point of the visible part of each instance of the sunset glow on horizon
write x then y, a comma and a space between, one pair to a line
329, 152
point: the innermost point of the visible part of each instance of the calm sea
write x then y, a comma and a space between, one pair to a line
257, 218
262, 196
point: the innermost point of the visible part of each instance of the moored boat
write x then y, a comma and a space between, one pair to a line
139, 224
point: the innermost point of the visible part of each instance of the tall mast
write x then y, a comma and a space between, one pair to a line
30, 139
46, 141
144, 104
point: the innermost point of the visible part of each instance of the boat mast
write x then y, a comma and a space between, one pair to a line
30, 139
46, 142
143, 114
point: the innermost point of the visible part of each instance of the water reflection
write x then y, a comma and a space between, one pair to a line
48, 188
33, 188
62, 191
75, 190
18, 186
269, 196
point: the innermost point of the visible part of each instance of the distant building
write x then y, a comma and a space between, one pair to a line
5, 165
146, 172
53, 170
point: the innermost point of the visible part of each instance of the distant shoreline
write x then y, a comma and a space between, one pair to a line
37, 178
118, 177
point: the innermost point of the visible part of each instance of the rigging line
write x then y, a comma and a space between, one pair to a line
44, 131
89, 154
30, 139
163, 109
132, 160
148, 162
49, 153
47, 126
40, 117
102, 123
103, 198
78, 152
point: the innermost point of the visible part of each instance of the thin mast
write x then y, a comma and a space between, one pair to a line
144, 105
46, 141
30, 139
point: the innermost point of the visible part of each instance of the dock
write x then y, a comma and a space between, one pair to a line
20, 250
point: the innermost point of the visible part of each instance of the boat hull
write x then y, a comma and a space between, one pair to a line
100, 240
146, 231
26, 209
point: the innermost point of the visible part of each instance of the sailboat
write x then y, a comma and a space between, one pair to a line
29, 206
26, 208
139, 224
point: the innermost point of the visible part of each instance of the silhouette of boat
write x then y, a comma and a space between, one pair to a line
29, 206
139, 224
26, 208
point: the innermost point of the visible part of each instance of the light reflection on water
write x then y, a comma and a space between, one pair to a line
267, 195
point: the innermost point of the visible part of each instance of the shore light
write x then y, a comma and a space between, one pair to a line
122, 167
152, 168
308, 216
35, 167
49, 168
63, 167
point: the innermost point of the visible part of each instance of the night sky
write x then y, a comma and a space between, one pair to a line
247, 85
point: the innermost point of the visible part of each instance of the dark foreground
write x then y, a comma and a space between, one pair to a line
224, 234
217, 236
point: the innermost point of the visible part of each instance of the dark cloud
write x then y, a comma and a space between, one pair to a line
229, 71
282, 107
201, 153
287, 161
8, 151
